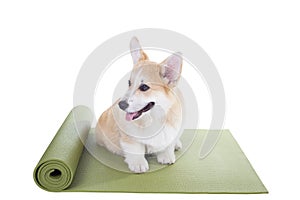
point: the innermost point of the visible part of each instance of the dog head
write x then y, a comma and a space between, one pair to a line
150, 83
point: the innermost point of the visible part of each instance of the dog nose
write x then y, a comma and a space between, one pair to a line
123, 104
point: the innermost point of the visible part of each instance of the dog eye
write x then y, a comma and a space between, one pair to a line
129, 83
144, 87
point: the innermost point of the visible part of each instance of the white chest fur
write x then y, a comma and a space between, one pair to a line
163, 139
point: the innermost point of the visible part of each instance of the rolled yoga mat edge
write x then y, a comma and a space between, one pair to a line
57, 167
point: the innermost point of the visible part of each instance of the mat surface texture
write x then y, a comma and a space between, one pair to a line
68, 166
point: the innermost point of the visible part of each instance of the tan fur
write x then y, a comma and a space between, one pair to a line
110, 135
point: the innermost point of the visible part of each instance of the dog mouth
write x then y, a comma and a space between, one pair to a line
134, 115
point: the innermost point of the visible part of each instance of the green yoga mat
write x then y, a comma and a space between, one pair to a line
68, 166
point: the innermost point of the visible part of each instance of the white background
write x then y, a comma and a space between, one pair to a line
255, 46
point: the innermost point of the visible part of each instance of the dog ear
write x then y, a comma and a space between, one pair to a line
170, 69
136, 51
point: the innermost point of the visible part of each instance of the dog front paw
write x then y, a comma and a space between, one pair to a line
137, 165
178, 145
166, 158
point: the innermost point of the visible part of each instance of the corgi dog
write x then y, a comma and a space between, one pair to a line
147, 119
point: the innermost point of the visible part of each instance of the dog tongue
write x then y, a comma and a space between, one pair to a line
130, 116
